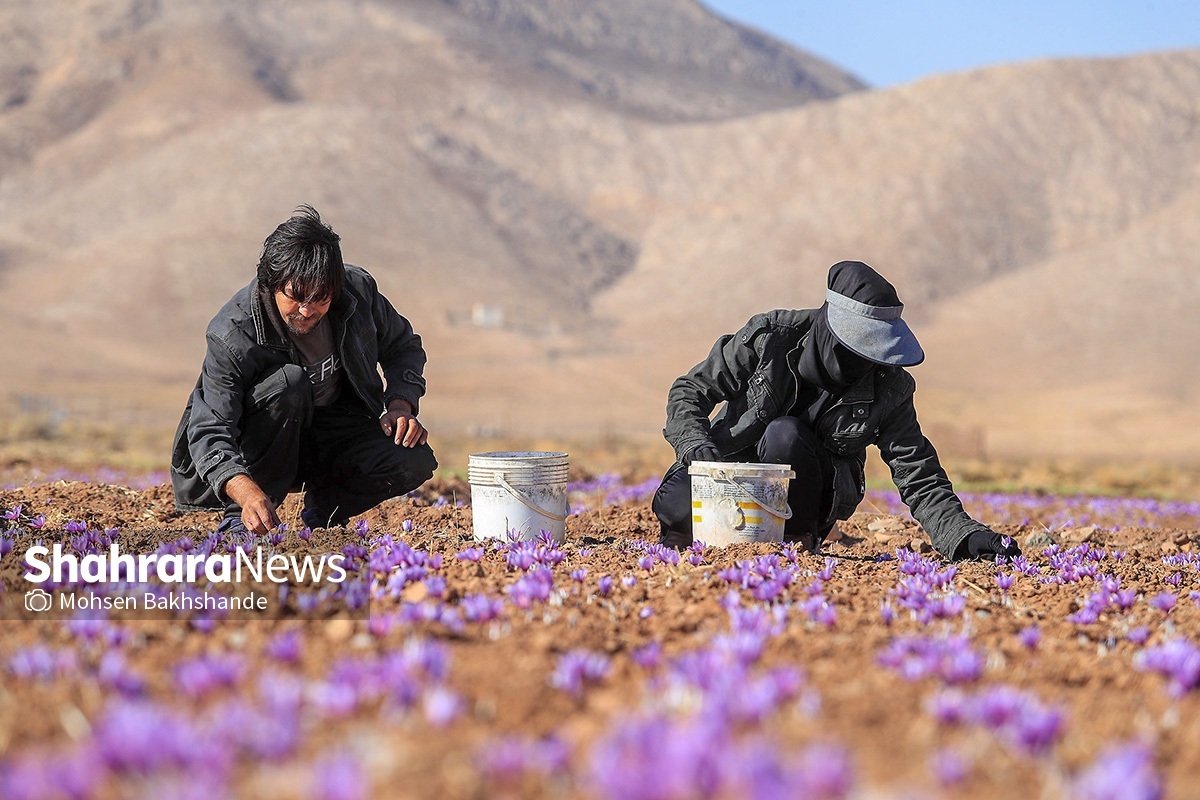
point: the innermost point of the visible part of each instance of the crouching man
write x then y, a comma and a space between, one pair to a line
812, 388
290, 395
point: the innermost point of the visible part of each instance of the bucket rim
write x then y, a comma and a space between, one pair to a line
741, 469
518, 455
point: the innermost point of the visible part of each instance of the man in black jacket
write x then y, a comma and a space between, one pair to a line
812, 388
290, 395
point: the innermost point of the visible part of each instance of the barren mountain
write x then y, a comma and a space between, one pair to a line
570, 200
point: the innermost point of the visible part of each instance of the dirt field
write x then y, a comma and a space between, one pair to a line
608, 667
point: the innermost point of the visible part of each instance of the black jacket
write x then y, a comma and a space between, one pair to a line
754, 373
246, 342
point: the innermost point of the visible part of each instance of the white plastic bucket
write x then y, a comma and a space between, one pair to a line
733, 503
518, 491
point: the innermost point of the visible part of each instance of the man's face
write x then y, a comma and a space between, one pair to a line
300, 316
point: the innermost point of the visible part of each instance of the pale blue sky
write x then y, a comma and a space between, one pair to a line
885, 43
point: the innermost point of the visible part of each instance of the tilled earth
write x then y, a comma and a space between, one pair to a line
308, 708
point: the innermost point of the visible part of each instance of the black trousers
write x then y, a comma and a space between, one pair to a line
338, 454
787, 440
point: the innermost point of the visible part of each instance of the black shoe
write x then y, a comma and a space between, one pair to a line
232, 524
316, 518
676, 539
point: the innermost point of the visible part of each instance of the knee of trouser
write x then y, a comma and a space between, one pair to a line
405, 469
672, 504
787, 440
287, 391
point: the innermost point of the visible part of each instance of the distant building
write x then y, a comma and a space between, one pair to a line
487, 316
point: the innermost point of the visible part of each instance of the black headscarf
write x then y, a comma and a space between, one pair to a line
826, 362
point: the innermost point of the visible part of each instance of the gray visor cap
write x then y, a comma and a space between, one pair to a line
874, 332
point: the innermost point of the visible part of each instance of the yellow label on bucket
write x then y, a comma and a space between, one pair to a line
696, 504
697, 518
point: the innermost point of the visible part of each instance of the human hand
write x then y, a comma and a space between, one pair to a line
403, 428
258, 512
987, 544
705, 451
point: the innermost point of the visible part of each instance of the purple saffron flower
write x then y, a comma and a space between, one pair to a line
579, 575
473, 554
13, 514
1123, 772
1164, 602
648, 656
1125, 599
38, 522
948, 768
1178, 660
1004, 581
199, 676
1138, 635
286, 647
1030, 637
604, 585
341, 777
577, 668
441, 706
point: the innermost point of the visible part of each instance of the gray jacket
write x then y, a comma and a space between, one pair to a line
753, 372
246, 343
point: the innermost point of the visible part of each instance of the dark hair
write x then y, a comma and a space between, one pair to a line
305, 251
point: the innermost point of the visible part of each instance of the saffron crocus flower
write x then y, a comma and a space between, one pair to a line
648, 656
577, 668
341, 777
1123, 772
948, 767
406, 526
441, 706
472, 554
285, 647
1178, 660
1030, 637
1004, 581
604, 585
38, 522
480, 608
1164, 602
1125, 599
13, 514
579, 575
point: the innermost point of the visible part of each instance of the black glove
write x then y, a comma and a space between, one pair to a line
706, 451
986, 544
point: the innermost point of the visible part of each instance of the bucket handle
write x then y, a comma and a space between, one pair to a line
785, 515
532, 506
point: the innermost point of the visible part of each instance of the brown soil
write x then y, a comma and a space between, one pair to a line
501, 670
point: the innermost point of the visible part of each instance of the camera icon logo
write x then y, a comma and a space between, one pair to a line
38, 600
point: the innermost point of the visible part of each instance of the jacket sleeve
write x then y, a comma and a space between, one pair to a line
923, 484
723, 375
217, 407
400, 352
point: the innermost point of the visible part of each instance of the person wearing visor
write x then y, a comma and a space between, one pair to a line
812, 388
290, 395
